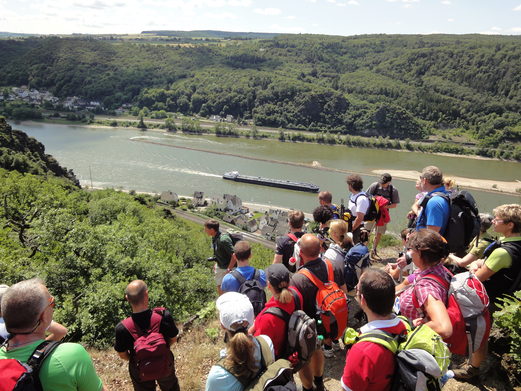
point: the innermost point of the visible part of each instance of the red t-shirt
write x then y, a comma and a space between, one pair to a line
273, 326
369, 365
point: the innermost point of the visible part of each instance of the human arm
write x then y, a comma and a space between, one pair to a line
56, 331
438, 317
358, 220
484, 273
124, 355
233, 262
462, 262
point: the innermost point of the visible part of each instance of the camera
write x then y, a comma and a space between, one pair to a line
408, 258
211, 259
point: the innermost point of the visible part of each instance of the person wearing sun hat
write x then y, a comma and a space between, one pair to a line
240, 362
283, 298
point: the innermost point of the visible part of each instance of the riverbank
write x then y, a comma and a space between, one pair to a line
436, 147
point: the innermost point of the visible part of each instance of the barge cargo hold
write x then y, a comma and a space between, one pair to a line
257, 180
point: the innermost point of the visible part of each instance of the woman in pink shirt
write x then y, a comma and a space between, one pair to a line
423, 299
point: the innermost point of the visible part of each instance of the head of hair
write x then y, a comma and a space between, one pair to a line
432, 175
212, 224
23, 303
405, 232
355, 181
296, 218
135, 292
322, 214
325, 196
364, 235
485, 222
510, 213
310, 246
240, 355
449, 183
431, 245
378, 290
242, 250
338, 232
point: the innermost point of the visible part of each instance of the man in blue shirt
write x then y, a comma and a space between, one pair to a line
242, 252
435, 208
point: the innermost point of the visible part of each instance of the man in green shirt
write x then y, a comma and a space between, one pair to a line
27, 309
222, 252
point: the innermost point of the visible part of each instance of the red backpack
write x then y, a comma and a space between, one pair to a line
15, 375
151, 355
331, 302
468, 312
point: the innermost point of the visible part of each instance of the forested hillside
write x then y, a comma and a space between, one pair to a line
395, 86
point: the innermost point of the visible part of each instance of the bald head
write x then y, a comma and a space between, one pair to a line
309, 247
136, 291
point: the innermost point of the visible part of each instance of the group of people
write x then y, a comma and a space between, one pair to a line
253, 332
408, 287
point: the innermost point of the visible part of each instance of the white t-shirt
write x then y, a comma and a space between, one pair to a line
361, 206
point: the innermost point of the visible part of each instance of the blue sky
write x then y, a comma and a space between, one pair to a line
336, 17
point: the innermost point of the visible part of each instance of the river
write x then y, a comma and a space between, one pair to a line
114, 157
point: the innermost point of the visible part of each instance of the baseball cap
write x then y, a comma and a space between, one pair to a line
277, 273
385, 178
234, 308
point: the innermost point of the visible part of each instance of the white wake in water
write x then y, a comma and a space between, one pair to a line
172, 169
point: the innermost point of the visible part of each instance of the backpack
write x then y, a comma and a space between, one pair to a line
421, 356
463, 224
251, 288
301, 331
355, 261
235, 236
373, 211
15, 375
272, 373
506, 280
151, 353
467, 307
331, 303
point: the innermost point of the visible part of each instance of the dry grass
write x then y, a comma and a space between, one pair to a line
194, 354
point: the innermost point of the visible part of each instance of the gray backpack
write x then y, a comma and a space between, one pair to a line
301, 331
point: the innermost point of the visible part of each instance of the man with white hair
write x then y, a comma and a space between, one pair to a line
27, 309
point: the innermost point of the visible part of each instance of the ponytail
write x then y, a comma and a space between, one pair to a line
240, 355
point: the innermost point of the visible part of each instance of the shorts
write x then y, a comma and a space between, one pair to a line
380, 229
219, 274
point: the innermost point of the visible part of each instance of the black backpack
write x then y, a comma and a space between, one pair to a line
251, 288
373, 211
463, 224
235, 237
25, 376
355, 261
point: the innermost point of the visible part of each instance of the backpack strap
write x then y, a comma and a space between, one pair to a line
279, 313
256, 275
292, 236
441, 281
314, 279
238, 276
266, 354
387, 340
37, 358
155, 323
296, 297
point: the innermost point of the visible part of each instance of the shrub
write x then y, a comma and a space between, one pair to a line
508, 318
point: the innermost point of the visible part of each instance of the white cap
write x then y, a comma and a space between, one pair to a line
234, 308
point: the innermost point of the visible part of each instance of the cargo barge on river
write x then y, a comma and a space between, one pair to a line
257, 180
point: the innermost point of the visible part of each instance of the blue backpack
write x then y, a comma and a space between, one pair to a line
355, 261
